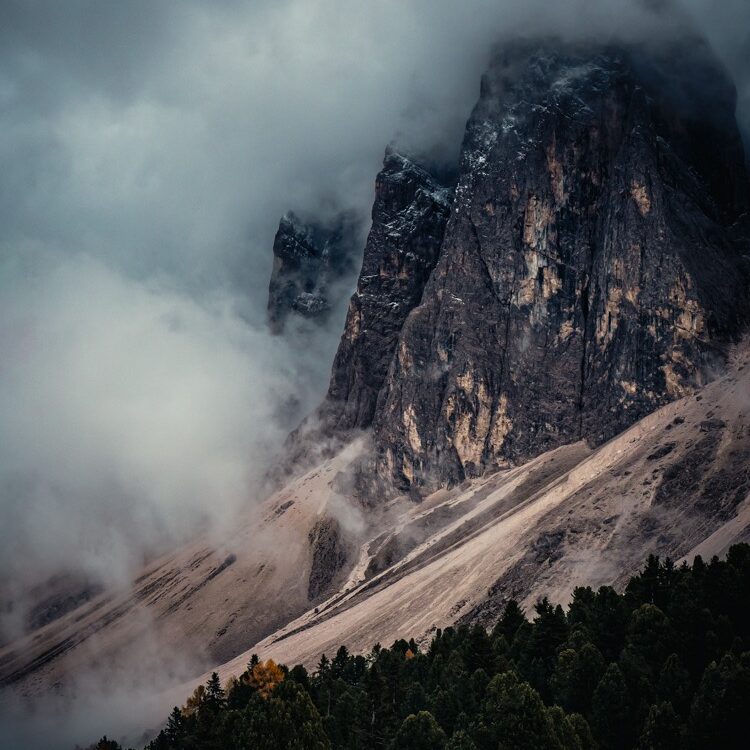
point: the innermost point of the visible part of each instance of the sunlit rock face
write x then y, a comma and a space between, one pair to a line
309, 261
591, 268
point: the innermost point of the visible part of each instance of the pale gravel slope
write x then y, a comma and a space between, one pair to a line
593, 525
676, 483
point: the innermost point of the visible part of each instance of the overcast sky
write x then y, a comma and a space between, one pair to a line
147, 151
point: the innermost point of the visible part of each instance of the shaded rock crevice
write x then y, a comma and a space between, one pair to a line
329, 556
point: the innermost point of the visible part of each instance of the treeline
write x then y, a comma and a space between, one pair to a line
663, 666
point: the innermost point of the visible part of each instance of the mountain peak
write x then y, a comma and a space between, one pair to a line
589, 237
310, 260
585, 274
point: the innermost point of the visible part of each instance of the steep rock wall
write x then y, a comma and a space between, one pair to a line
589, 271
309, 259
408, 222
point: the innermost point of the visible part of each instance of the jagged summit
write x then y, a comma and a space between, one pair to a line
309, 259
434, 176
586, 273
408, 220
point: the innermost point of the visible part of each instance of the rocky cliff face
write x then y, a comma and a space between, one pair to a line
589, 272
408, 221
308, 261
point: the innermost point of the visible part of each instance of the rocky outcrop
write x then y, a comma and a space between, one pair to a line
408, 221
309, 259
329, 556
589, 272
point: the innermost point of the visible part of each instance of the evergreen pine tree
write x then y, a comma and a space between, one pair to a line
419, 732
663, 730
175, 725
611, 713
515, 716
460, 740
511, 619
674, 685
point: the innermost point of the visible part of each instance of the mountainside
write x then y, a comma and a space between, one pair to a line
590, 270
677, 483
662, 665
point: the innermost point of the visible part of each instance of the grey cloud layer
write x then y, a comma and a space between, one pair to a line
173, 135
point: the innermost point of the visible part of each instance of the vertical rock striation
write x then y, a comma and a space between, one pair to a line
408, 221
588, 274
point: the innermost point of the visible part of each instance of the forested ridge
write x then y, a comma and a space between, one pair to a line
665, 665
